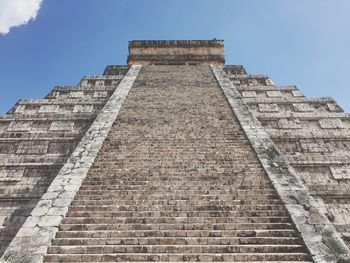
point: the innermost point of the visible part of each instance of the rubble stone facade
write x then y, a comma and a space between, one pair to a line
175, 160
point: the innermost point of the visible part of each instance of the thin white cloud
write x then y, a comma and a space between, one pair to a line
17, 12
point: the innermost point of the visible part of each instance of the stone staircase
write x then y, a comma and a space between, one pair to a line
176, 180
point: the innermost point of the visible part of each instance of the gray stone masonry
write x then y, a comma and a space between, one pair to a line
176, 179
314, 136
176, 52
36, 139
319, 235
31, 241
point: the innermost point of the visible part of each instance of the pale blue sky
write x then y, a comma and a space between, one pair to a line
300, 42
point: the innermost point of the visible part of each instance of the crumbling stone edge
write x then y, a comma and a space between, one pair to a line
33, 238
319, 235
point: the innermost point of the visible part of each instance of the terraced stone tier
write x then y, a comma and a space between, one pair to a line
176, 180
36, 139
314, 136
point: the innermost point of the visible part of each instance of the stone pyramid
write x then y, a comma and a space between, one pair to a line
175, 157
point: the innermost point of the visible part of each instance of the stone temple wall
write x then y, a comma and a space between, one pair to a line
312, 133
36, 139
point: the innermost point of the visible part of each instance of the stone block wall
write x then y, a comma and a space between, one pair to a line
176, 52
36, 139
312, 133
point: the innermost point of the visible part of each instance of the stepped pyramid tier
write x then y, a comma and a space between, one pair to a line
176, 52
175, 157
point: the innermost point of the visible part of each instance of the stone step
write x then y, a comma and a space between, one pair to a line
115, 71
188, 214
318, 159
309, 134
168, 190
240, 211
166, 182
178, 199
185, 227
69, 89
109, 249
305, 116
170, 202
48, 117
144, 208
225, 210
281, 100
284, 88
177, 241
67, 101
166, 187
15, 139
212, 261
194, 257
168, 193
180, 194
173, 220
90, 88
169, 184
176, 233
42, 135
32, 160
144, 180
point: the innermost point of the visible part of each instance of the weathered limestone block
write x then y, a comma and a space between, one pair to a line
31, 109
61, 147
8, 147
272, 107
76, 94
334, 107
100, 94
303, 107
62, 126
48, 108
235, 70
19, 126
249, 94
341, 172
289, 124
83, 108
41, 125
32, 147
315, 146
331, 124
274, 94
11, 174
115, 71
19, 108
297, 93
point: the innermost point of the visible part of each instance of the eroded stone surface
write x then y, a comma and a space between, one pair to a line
31, 241
176, 180
315, 144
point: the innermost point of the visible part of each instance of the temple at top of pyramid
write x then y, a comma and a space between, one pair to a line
175, 157
176, 52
